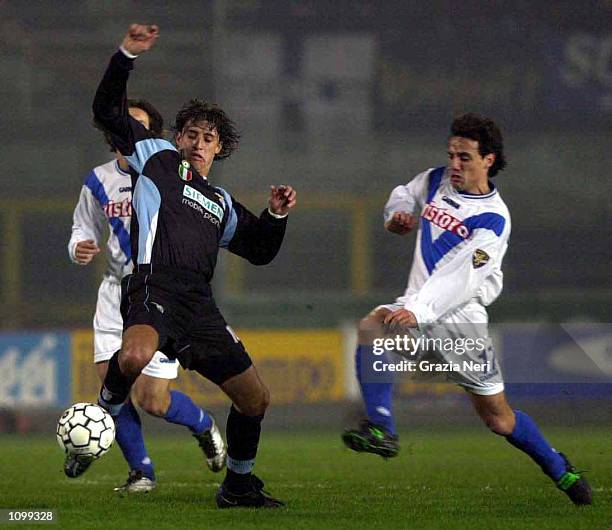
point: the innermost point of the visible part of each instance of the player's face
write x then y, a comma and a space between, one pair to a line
199, 143
140, 115
468, 169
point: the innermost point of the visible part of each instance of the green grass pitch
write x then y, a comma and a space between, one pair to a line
442, 479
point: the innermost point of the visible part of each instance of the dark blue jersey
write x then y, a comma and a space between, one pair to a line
179, 220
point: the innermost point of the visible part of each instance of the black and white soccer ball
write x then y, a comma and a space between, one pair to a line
85, 429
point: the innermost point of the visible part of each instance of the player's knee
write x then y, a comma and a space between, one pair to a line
502, 425
258, 405
133, 358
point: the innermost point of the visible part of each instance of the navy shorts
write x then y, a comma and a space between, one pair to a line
179, 305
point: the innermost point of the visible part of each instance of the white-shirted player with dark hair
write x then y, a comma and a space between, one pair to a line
456, 272
105, 205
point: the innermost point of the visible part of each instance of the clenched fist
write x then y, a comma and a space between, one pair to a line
140, 38
401, 223
85, 251
282, 199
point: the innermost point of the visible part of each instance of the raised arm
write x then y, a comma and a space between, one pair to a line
110, 102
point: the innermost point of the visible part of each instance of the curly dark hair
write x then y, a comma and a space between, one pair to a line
195, 111
484, 131
156, 122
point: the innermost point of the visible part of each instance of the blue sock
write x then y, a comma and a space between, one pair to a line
185, 412
129, 438
527, 437
377, 396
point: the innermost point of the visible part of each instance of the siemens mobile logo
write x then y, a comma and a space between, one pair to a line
440, 217
203, 201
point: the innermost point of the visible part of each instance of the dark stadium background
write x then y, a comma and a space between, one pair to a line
344, 100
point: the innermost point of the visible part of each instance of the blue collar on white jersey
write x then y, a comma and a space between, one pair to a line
467, 195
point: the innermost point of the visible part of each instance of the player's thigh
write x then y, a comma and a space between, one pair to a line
248, 392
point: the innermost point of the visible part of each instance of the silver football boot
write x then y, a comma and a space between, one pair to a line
137, 483
212, 445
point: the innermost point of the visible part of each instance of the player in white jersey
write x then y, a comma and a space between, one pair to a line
105, 205
440, 323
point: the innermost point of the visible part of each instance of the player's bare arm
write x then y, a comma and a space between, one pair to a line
282, 199
85, 251
401, 223
139, 38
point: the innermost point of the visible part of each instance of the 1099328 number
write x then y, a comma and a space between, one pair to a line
16, 516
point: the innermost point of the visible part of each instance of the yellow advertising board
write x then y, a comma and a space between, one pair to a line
298, 366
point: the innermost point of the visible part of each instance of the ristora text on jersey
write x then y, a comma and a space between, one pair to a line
118, 209
440, 217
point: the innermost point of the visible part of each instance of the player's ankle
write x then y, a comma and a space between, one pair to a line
237, 481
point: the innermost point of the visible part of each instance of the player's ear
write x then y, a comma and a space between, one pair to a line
218, 148
489, 159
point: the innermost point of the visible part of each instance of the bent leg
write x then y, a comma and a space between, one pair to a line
153, 394
520, 430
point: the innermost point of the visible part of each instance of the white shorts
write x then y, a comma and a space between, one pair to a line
476, 371
108, 329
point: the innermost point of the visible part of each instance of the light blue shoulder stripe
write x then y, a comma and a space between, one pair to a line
232, 220
146, 202
145, 149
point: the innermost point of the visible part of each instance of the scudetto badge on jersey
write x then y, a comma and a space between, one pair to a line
479, 258
184, 171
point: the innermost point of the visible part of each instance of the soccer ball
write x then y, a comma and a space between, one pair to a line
85, 429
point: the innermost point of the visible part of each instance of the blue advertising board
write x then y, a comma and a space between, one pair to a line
562, 360
35, 369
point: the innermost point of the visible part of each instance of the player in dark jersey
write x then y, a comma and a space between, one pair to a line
179, 223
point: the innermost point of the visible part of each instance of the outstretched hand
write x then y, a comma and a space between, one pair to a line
139, 38
282, 198
400, 223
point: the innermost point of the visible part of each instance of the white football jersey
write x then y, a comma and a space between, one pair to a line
461, 242
106, 201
